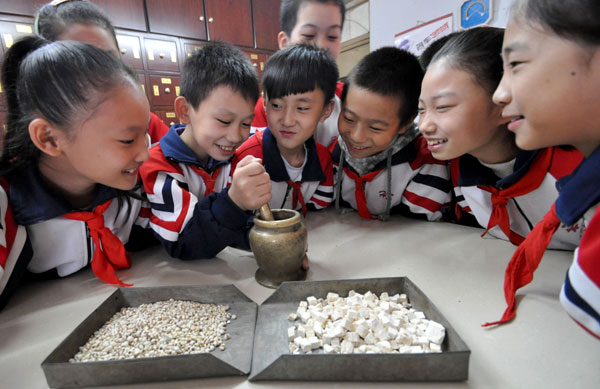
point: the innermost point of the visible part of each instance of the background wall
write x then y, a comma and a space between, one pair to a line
389, 17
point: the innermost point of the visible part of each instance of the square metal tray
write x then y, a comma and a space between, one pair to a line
272, 360
236, 359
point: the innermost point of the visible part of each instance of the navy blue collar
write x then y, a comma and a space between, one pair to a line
32, 202
406, 154
176, 150
473, 173
276, 167
580, 190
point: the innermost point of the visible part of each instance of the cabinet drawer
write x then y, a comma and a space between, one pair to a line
164, 89
168, 117
161, 55
131, 50
12, 31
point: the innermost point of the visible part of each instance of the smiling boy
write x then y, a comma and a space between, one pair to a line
318, 23
299, 84
194, 212
382, 162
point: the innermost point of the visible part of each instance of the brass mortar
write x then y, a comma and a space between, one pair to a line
279, 247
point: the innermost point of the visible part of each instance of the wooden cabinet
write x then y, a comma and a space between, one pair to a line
162, 54
124, 13
177, 17
265, 14
11, 31
230, 21
21, 7
164, 89
130, 49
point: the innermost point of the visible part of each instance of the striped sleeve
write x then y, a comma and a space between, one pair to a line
187, 226
580, 294
15, 249
430, 189
323, 196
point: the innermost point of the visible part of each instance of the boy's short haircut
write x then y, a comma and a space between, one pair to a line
288, 13
298, 69
218, 64
389, 71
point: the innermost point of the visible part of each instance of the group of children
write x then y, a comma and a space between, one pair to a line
462, 136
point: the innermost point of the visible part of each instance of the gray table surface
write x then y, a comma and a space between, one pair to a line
458, 270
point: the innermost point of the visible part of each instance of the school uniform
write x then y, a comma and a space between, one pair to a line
156, 129
40, 232
327, 130
312, 190
192, 214
579, 200
409, 182
510, 207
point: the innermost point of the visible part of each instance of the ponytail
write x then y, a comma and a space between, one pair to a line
16, 138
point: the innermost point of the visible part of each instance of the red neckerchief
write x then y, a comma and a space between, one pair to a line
109, 254
297, 195
525, 260
208, 178
359, 191
528, 183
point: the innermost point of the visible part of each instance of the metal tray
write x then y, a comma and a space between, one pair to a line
272, 360
235, 360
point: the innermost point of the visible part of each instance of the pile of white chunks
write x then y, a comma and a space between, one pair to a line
362, 323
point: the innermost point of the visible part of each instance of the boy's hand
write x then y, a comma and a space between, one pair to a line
251, 184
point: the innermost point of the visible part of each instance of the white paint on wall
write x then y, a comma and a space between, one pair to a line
389, 17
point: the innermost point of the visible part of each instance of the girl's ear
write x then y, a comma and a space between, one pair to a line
327, 110
44, 137
182, 110
282, 40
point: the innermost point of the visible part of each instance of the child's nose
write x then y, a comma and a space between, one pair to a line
238, 134
425, 124
502, 94
143, 152
358, 134
289, 117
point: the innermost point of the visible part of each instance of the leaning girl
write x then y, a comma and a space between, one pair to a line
505, 189
550, 94
76, 137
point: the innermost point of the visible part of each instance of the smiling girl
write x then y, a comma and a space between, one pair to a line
550, 94
506, 189
76, 137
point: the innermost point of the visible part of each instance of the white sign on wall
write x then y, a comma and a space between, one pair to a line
417, 39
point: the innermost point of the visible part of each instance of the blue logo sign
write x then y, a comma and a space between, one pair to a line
475, 12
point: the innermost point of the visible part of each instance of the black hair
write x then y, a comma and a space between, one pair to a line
575, 20
58, 81
389, 71
53, 20
288, 13
218, 64
434, 47
298, 69
476, 51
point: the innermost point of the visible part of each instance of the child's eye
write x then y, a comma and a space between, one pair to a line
303, 109
442, 108
420, 110
246, 125
308, 37
346, 118
377, 129
333, 37
512, 65
127, 141
275, 106
224, 122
